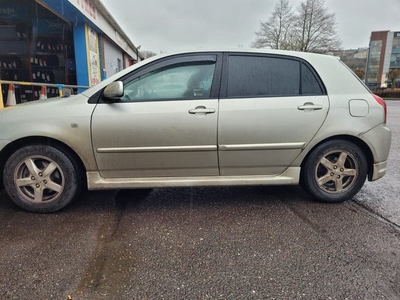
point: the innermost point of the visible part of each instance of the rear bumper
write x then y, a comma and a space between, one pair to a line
379, 140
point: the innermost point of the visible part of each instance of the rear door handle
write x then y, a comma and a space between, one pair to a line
309, 106
202, 110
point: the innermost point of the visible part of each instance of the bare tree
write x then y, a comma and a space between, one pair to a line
310, 29
275, 33
315, 28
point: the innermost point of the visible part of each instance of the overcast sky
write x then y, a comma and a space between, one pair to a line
171, 25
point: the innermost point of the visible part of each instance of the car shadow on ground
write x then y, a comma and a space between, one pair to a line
174, 198
209, 197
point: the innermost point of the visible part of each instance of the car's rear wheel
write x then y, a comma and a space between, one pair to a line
335, 171
41, 178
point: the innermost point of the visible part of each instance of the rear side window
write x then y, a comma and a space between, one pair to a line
262, 76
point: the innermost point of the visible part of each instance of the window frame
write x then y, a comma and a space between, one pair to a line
302, 63
193, 58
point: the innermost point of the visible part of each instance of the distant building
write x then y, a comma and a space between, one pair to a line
383, 55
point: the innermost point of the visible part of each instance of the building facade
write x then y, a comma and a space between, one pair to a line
383, 55
74, 42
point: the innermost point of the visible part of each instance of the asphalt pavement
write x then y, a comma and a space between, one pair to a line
208, 243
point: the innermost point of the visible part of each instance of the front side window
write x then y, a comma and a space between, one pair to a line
180, 81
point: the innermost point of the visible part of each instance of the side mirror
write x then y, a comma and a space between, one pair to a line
114, 90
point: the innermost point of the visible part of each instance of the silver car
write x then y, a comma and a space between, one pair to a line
200, 119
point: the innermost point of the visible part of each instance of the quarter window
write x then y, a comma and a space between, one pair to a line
309, 84
182, 81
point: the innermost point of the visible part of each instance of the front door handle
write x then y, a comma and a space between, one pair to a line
202, 110
309, 106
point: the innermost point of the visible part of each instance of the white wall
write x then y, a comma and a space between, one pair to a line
111, 56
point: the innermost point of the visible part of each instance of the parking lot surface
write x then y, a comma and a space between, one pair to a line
199, 243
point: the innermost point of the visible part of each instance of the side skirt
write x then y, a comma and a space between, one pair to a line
95, 182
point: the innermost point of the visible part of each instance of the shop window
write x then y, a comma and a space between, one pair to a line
35, 46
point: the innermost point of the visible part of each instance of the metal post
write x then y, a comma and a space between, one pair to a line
1, 98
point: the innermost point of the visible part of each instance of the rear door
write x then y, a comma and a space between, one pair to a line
164, 125
270, 108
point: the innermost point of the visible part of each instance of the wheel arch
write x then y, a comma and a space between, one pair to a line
10, 148
353, 139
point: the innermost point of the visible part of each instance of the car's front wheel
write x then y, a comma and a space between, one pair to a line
335, 171
41, 178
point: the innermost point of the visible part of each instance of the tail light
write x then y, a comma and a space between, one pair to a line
383, 103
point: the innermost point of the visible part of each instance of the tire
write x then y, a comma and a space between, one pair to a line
41, 178
335, 171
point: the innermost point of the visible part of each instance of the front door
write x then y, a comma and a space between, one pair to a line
165, 124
